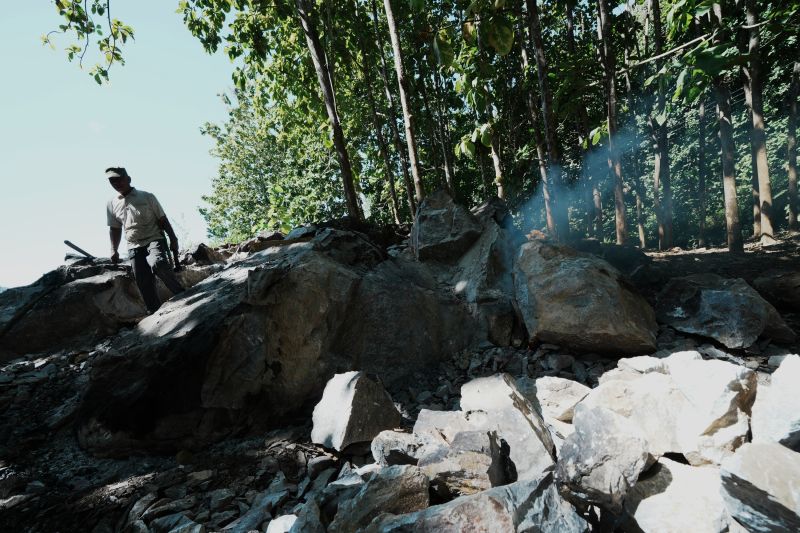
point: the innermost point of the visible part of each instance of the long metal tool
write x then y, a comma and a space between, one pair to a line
77, 249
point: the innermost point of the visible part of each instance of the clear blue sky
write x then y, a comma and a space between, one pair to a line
59, 130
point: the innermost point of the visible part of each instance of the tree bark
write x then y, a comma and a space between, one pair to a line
444, 137
758, 132
614, 163
408, 117
557, 206
701, 174
728, 153
791, 146
398, 144
318, 58
661, 173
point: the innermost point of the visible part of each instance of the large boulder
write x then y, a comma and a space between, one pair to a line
761, 487
780, 288
529, 505
776, 411
727, 310
256, 343
73, 306
354, 408
675, 498
443, 230
602, 459
579, 301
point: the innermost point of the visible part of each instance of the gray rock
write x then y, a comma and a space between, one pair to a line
726, 310
579, 301
761, 487
602, 459
354, 408
475, 461
776, 411
396, 448
396, 490
176, 523
524, 506
497, 405
443, 230
674, 498
263, 506
781, 289
282, 524
219, 498
558, 397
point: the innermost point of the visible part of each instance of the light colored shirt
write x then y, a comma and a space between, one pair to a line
139, 213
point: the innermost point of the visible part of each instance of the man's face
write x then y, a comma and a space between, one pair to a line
120, 184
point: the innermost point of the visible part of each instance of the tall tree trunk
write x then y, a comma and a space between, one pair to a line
661, 173
557, 205
614, 163
408, 117
728, 154
701, 174
748, 98
382, 146
323, 76
538, 139
758, 133
398, 144
444, 137
582, 123
791, 146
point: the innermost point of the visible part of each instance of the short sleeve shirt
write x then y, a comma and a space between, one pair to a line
138, 213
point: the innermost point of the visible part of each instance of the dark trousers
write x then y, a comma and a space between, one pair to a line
150, 261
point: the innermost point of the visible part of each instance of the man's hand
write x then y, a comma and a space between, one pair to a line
115, 257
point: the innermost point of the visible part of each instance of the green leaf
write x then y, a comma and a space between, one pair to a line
469, 148
416, 5
501, 35
443, 49
596, 134
486, 135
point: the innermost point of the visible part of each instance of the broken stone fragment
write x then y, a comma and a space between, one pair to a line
602, 459
776, 411
761, 487
558, 397
354, 408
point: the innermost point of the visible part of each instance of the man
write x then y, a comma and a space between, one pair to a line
145, 223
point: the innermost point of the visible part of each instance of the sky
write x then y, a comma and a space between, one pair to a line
59, 130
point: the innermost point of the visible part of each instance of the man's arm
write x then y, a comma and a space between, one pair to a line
164, 224
115, 234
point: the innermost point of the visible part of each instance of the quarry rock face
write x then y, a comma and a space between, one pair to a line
579, 301
727, 310
443, 230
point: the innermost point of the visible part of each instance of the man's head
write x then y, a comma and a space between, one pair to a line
119, 179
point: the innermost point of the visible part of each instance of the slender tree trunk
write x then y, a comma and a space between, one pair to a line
754, 188
557, 206
444, 138
728, 153
384, 149
614, 163
582, 124
661, 174
408, 117
701, 174
323, 76
538, 139
791, 146
398, 143
759, 133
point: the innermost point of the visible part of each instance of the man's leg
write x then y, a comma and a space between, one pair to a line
143, 274
159, 260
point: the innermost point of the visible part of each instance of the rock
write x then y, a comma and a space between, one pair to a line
263, 506
282, 524
558, 397
396, 489
581, 302
443, 230
78, 304
498, 405
761, 487
475, 461
354, 408
675, 498
396, 448
234, 353
176, 523
726, 310
776, 411
781, 289
651, 402
602, 459
719, 394
205, 255
643, 364
529, 505
220, 498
